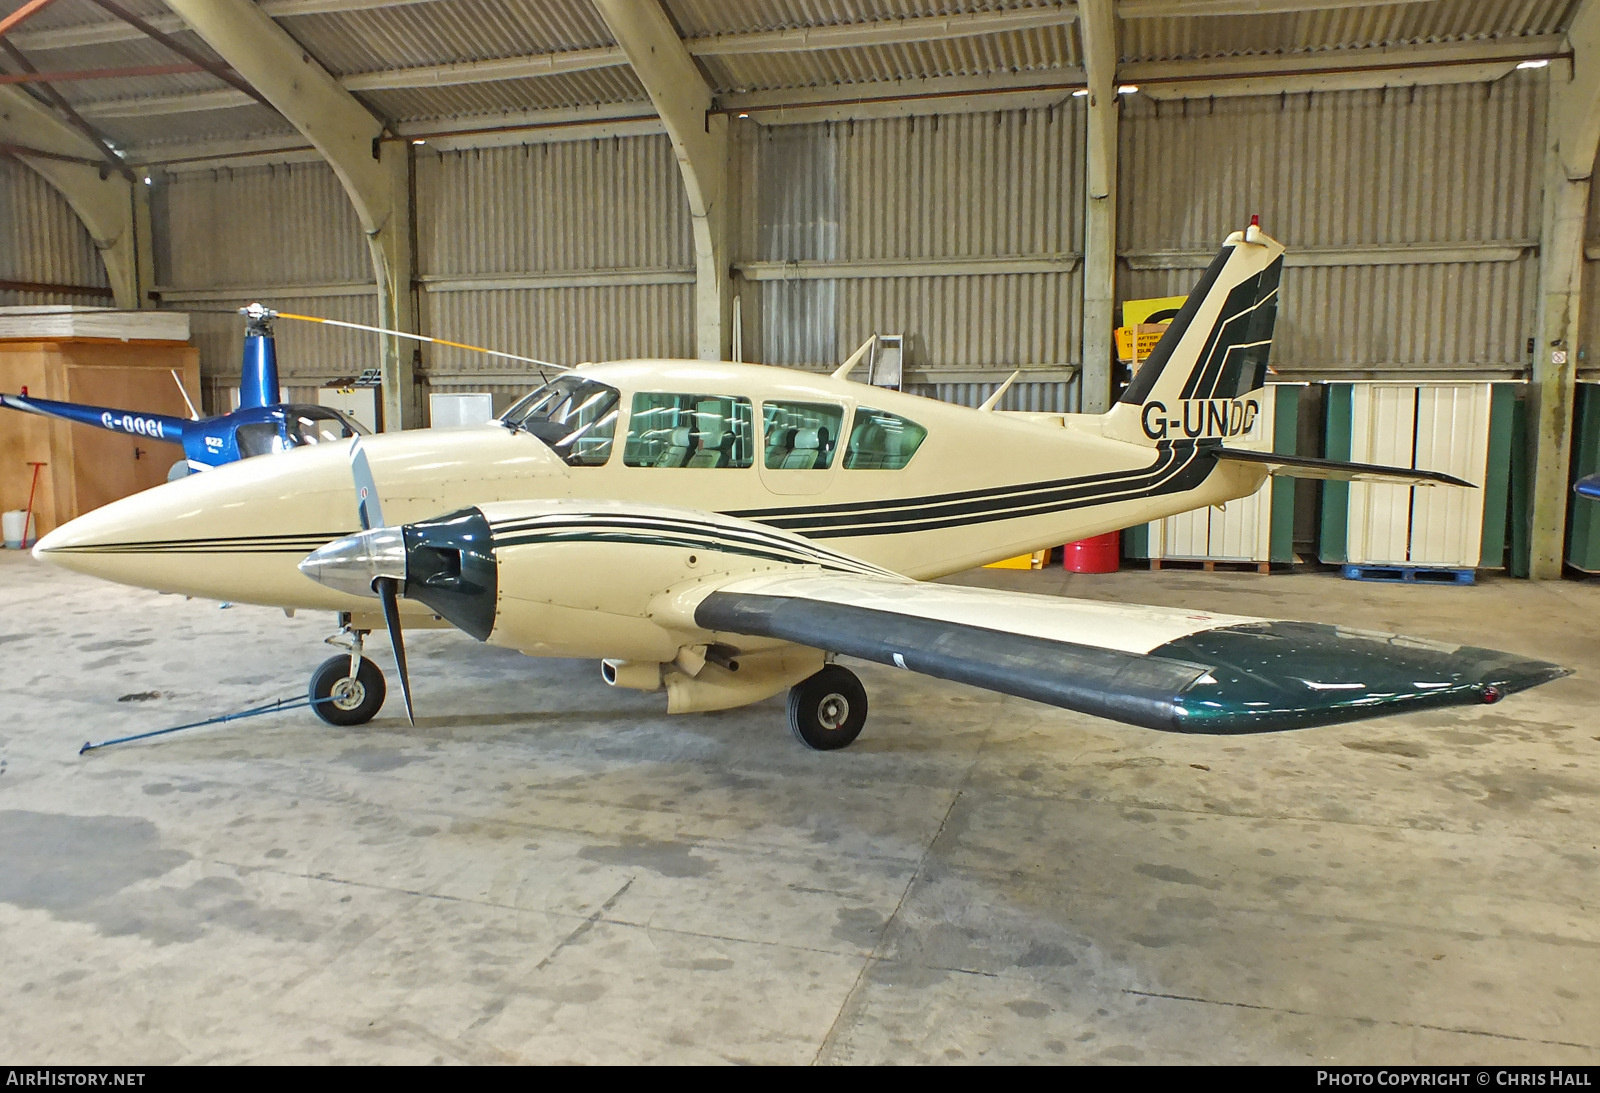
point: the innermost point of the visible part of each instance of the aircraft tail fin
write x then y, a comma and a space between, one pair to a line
1213, 353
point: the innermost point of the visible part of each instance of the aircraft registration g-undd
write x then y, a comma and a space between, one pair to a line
722, 531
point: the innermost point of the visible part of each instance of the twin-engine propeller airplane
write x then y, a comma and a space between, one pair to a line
805, 514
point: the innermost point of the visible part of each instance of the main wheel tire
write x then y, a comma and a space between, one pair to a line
827, 711
342, 699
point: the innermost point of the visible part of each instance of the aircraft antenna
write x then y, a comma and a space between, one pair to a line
424, 338
855, 358
194, 415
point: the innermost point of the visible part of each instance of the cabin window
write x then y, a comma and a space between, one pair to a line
801, 436
317, 425
881, 441
261, 438
576, 417
682, 430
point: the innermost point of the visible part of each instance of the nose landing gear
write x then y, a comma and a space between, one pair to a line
348, 689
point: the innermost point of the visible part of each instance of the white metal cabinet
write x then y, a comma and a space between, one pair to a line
1438, 427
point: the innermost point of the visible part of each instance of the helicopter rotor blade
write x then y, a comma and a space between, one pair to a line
421, 338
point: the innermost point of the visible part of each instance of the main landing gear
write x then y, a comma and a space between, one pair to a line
828, 710
347, 689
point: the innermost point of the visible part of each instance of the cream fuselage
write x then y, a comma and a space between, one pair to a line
238, 532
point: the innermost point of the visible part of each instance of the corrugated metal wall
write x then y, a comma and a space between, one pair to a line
1450, 167
42, 240
225, 238
929, 190
567, 252
582, 249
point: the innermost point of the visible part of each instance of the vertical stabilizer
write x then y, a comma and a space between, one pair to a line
1213, 353
258, 374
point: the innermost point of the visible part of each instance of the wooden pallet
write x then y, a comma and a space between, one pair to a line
1211, 565
1408, 574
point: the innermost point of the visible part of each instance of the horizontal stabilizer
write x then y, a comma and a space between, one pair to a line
1162, 668
1304, 466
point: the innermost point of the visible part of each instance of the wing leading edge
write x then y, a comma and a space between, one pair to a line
1202, 674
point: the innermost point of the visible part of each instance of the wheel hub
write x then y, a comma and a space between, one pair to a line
348, 693
833, 712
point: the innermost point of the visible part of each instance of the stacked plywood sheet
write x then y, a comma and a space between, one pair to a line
41, 321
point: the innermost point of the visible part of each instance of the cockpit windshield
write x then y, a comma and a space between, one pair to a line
294, 426
576, 417
317, 425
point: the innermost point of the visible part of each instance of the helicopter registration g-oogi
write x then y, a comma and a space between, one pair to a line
805, 514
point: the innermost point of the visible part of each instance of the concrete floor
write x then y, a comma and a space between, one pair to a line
548, 870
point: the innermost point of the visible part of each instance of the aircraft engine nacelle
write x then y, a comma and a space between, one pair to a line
606, 580
749, 678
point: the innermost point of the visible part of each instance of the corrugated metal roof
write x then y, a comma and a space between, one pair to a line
75, 13
1043, 49
704, 18
1369, 26
440, 33
379, 39
600, 85
138, 52
145, 132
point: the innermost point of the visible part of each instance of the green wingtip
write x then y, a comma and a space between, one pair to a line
1271, 676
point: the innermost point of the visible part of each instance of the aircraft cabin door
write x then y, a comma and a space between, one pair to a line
801, 445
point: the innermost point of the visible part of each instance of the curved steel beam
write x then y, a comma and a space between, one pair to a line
103, 202
699, 140
373, 172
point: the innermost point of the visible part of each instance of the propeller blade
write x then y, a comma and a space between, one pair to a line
368, 510
389, 592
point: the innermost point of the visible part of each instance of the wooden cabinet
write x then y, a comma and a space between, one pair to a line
88, 467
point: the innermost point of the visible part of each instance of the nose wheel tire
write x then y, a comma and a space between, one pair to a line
828, 710
342, 699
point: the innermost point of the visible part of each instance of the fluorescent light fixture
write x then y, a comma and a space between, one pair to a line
1541, 63
742, 114
1127, 89
1082, 92
419, 140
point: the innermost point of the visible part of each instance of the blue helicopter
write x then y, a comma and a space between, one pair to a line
262, 424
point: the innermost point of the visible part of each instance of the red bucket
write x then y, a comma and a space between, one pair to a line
1098, 554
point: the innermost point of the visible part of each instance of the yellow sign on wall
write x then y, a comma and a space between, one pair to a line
1156, 310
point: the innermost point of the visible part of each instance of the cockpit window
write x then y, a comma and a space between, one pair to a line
672, 430
576, 417
294, 426
317, 425
881, 441
262, 438
801, 435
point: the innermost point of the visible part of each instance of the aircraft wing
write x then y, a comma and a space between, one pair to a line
1162, 668
1303, 466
